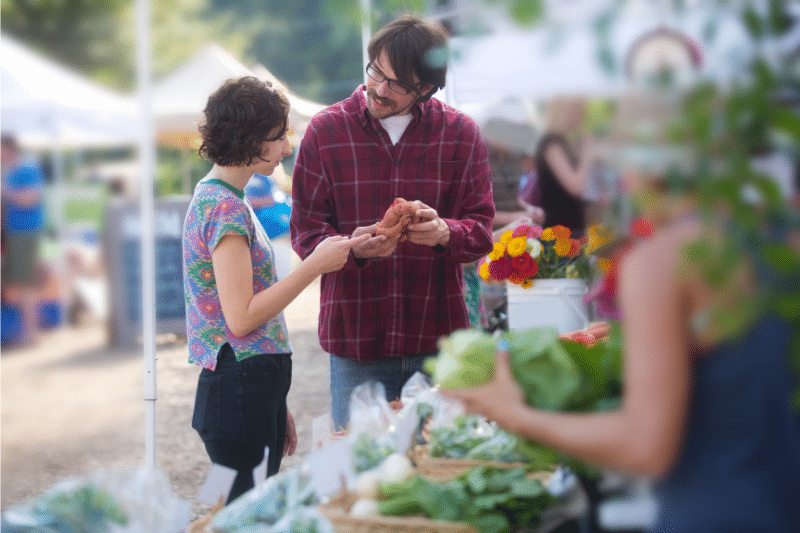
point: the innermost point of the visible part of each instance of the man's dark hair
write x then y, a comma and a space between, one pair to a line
239, 117
413, 46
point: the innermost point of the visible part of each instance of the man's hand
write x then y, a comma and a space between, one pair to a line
290, 444
377, 246
431, 231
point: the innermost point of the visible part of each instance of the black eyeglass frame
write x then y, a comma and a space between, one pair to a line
394, 85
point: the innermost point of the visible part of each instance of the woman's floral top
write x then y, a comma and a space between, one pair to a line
218, 209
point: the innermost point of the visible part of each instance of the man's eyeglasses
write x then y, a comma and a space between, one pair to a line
394, 85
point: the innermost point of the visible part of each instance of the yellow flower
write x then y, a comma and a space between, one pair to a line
526, 283
517, 246
507, 236
562, 247
598, 236
605, 265
484, 271
547, 235
497, 252
534, 247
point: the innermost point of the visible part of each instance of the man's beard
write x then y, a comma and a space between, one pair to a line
390, 106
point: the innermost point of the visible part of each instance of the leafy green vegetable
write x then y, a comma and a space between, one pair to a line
493, 500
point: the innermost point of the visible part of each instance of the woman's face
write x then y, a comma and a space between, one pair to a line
272, 152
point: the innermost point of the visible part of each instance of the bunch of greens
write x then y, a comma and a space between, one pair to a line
84, 508
369, 452
469, 437
492, 500
554, 374
267, 503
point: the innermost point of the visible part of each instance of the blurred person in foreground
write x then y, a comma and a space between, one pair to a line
706, 408
23, 223
382, 314
235, 325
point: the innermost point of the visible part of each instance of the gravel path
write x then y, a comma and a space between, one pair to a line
72, 405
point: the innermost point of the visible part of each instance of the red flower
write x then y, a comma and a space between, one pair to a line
521, 262
530, 270
500, 269
642, 227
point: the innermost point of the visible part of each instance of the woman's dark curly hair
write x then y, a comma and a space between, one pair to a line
239, 117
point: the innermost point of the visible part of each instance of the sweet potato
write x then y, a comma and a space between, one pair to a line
397, 218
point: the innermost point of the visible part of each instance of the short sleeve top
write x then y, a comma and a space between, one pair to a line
218, 209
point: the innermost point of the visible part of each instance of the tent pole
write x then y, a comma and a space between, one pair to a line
366, 31
147, 166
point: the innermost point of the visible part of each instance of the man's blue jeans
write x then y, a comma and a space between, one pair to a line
347, 374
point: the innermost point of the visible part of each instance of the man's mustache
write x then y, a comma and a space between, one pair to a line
383, 101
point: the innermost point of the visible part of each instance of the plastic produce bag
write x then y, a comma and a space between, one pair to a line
267, 502
371, 433
103, 502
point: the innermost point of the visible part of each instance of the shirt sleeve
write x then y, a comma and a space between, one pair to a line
309, 222
228, 218
471, 230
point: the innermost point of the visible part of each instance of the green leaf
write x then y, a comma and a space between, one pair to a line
753, 22
782, 256
527, 12
787, 121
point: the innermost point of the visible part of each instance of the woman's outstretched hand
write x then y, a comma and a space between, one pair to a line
331, 254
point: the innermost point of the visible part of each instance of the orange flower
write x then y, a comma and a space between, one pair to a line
574, 247
527, 283
562, 247
516, 278
561, 232
605, 265
547, 235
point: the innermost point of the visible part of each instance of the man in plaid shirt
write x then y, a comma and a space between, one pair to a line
382, 314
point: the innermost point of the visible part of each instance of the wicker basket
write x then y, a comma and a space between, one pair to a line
337, 511
444, 469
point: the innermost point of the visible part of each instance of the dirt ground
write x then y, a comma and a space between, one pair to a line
72, 405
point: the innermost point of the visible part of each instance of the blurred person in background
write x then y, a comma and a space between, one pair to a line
23, 222
382, 315
234, 301
561, 173
707, 406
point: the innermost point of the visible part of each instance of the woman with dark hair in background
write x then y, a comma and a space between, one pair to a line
234, 301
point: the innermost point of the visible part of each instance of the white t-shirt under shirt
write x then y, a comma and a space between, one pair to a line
396, 125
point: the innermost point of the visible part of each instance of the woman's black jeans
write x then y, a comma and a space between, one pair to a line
239, 409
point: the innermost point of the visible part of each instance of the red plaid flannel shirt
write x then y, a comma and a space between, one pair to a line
346, 175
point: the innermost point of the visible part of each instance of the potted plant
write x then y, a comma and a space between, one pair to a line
547, 273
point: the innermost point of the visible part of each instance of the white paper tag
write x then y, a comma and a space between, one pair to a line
218, 483
330, 468
260, 472
405, 425
321, 431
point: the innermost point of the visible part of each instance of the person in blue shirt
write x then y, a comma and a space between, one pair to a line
23, 222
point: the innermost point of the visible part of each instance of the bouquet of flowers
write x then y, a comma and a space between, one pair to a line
531, 252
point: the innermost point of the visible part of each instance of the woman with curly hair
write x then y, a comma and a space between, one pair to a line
234, 300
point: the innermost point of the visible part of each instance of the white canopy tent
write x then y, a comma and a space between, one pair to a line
563, 59
45, 104
181, 96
